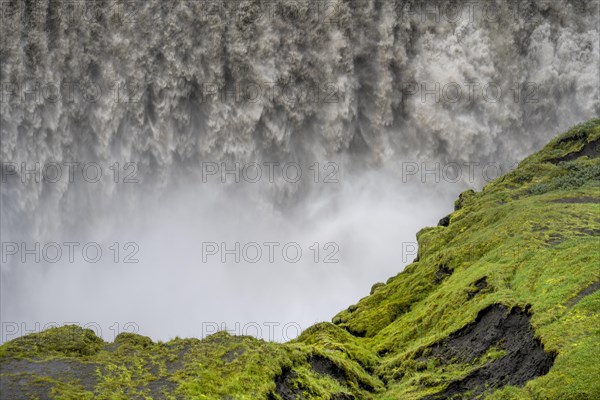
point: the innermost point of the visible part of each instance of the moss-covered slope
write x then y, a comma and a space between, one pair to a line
501, 303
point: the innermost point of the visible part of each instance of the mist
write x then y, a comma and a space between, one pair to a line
397, 112
364, 228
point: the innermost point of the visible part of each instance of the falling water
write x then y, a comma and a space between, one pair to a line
158, 117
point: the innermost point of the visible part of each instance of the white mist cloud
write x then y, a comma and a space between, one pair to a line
172, 292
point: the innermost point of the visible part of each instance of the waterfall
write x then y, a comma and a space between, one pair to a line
134, 122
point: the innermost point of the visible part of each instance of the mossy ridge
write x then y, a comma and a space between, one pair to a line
533, 249
532, 236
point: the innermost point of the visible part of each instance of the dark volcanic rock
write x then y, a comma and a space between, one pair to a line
480, 284
442, 273
460, 202
511, 331
585, 292
578, 200
444, 221
284, 385
590, 149
325, 366
17, 381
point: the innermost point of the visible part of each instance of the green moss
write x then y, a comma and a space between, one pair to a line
68, 340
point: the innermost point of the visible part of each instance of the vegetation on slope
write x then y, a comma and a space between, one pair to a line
501, 303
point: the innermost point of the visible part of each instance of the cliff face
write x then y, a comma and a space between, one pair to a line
501, 302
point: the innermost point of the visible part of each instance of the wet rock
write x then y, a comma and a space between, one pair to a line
444, 221
578, 200
585, 292
511, 331
480, 284
442, 273
325, 366
19, 377
231, 355
284, 385
590, 149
